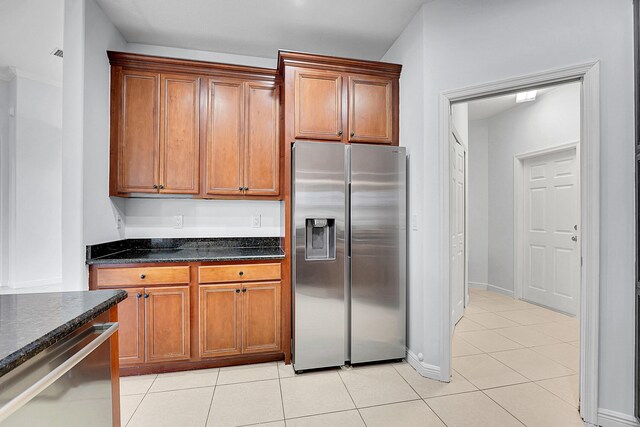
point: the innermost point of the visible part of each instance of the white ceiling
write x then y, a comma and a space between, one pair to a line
353, 28
29, 31
488, 107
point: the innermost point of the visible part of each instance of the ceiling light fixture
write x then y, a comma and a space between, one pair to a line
527, 96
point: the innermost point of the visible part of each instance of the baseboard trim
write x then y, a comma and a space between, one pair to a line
477, 285
499, 290
426, 370
608, 418
490, 287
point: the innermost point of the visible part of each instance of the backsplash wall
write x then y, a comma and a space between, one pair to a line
146, 218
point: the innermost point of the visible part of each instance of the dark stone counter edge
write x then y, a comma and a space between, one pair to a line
177, 259
22, 355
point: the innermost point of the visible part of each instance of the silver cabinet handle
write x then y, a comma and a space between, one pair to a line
39, 386
574, 238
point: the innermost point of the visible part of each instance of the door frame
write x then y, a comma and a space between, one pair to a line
589, 75
518, 209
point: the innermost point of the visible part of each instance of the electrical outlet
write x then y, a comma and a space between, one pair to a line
118, 222
256, 221
178, 221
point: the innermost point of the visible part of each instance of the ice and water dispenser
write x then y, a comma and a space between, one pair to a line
321, 239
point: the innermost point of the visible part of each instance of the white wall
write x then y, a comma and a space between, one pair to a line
90, 215
201, 218
202, 55
467, 43
552, 120
38, 184
5, 176
31, 184
99, 212
478, 209
4, 170
409, 51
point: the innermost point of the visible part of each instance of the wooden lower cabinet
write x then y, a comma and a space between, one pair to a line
131, 327
194, 316
220, 320
167, 324
239, 318
260, 317
154, 325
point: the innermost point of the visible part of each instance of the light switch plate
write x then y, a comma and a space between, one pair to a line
118, 222
256, 221
178, 221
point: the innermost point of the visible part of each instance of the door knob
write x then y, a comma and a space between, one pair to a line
353, 134
237, 291
339, 133
139, 295
161, 186
155, 186
142, 276
244, 289
146, 295
241, 273
574, 238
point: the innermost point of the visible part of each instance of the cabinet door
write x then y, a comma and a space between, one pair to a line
167, 323
261, 148
130, 328
180, 134
220, 320
138, 140
318, 105
224, 138
261, 317
370, 109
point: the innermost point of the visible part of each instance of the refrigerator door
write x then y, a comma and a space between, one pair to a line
378, 253
318, 203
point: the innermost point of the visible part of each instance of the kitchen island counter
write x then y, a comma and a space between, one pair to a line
30, 323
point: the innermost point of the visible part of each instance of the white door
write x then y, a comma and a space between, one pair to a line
457, 224
551, 231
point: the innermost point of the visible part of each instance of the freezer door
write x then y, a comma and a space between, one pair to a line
378, 253
318, 203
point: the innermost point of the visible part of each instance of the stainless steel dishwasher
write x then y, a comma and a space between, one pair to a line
64, 385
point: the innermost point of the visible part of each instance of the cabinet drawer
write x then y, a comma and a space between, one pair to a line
137, 276
238, 273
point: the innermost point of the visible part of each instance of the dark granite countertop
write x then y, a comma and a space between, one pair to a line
185, 250
29, 323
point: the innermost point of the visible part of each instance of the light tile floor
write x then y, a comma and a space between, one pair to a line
514, 364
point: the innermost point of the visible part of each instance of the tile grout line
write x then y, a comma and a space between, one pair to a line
351, 397
419, 395
141, 400
284, 419
212, 395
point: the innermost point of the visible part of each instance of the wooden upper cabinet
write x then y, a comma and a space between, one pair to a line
167, 323
327, 98
261, 317
318, 105
131, 330
220, 320
180, 134
261, 147
224, 138
370, 109
137, 132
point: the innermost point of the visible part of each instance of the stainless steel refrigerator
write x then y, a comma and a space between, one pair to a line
349, 255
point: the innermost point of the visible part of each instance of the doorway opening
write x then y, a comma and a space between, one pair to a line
521, 234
